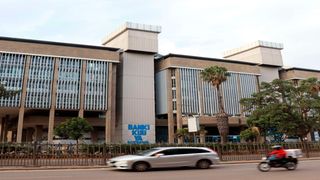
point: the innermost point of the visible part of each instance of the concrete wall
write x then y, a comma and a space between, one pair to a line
298, 74
58, 49
137, 95
260, 52
161, 92
268, 74
193, 62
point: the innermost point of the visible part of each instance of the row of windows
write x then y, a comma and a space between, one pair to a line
11, 68
233, 89
40, 81
96, 85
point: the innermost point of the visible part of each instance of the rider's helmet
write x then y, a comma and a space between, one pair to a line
276, 147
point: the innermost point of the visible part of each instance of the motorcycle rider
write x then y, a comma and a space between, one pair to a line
277, 154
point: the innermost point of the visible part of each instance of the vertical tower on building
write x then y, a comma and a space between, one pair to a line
266, 54
135, 91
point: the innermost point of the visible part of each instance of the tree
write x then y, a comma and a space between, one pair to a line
251, 134
6, 93
183, 133
286, 108
216, 76
73, 128
202, 134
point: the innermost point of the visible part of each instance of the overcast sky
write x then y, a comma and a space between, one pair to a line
192, 27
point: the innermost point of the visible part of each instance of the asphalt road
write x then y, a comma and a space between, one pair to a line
308, 170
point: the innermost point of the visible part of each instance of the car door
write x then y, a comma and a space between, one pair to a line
169, 158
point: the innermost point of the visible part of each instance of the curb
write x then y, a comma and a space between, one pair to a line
50, 167
106, 167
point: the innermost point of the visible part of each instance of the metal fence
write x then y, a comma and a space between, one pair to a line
96, 154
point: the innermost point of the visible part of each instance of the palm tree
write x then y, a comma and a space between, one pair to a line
6, 93
183, 133
216, 75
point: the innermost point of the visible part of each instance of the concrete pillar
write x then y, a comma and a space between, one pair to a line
53, 100
29, 133
1, 129
38, 132
170, 109
9, 136
113, 94
82, 88
108, 119
4, 130
22, 100
240, 95
178, 100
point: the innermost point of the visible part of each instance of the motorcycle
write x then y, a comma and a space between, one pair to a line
289, 162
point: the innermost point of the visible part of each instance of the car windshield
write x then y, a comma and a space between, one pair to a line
146, 152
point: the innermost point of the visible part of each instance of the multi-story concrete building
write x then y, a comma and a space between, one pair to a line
124, 88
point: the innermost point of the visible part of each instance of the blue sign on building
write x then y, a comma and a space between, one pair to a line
138, 131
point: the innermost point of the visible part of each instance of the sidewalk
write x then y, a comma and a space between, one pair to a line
8, 168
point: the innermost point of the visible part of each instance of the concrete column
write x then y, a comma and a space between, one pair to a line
178, 100
258, 84
200, 94
108, 120
4, 130
53, 100
240, 95
113, 100
22, 100
1, 129
38, 132
82, 88
170, 109
9, 135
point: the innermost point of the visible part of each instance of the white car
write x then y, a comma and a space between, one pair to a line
167, 157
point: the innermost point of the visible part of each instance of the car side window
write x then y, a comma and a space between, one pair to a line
169, 152
198, 151
177, 151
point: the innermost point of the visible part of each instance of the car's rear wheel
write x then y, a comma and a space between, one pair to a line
140, 166
203, 164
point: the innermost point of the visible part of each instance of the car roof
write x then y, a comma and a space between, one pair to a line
179, 147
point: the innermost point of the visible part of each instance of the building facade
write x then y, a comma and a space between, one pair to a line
56, 81
125, 89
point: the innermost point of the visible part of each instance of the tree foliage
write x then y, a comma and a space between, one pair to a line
216, 75
251, 134
183, 133
284, 107
6, 93
73, 128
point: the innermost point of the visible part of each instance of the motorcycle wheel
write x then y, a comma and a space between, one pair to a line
291, 166
264, 167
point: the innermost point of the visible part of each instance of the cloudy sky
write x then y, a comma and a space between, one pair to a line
192, 27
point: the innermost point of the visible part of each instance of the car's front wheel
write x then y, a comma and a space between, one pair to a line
140, 166
203, 164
